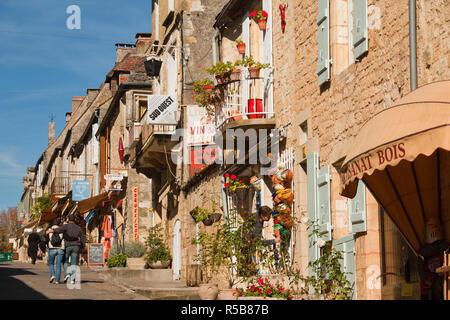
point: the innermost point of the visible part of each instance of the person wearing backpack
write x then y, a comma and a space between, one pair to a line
55, 252
74, 240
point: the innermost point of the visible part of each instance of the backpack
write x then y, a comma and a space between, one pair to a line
72, 233
55, 240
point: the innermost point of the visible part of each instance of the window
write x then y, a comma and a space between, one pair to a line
141, 105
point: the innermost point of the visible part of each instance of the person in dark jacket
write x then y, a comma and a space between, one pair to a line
74, 241
33, 245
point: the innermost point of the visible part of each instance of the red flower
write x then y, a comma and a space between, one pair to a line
240, 293
227, 185
252, 288
240, 181
252, 14
227, 175
264, 13
269, 291
281, 289
233, 177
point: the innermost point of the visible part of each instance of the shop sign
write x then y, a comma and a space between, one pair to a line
162, 109
376, 159
200, 127
81, 190
135, 214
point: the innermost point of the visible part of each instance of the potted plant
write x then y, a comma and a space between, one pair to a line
227, 69
218, 70
253, 66
263, 289
238, 187
240, 46
158, 256
203, 93
119, 260
260, 17
236, 71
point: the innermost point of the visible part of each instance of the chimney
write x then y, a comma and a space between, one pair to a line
122, 49
143, 42
76, 102
91, 94
51, 133
68, 115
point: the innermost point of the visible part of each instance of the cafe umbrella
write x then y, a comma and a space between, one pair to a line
402, 154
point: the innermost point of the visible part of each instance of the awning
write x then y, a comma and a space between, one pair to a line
91, 203
403, 156
20, 231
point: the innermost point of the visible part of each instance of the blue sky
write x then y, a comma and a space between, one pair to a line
44, 64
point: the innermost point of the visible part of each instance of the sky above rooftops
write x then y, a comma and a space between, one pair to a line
44, 64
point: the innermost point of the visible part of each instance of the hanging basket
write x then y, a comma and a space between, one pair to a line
262, 24
241, 196
214, 217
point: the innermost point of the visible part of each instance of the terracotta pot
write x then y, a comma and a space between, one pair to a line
159, 265
226, 294
235, 118
254, 72
241, 48
235, 75
208, 88
208, 291
262, 24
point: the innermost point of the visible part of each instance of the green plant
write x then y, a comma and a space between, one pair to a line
202, 97
130, 249
239, 41
259, 15
157, 251
249, 62
327, 276
6, 247
119, 260
42, 203
200, 214
229, 249
263, 288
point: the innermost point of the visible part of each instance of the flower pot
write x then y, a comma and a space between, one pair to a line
238, 115
255, 108
262, 24
241, 48
208, 291
226, 294
159, 265
208, 89
254, 72
15, 256
235, 75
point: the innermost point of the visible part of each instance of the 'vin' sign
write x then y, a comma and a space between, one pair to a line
162, 109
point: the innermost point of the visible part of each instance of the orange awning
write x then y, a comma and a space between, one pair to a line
91, 203
403, 156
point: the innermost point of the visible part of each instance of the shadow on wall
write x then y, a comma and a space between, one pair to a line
13, 289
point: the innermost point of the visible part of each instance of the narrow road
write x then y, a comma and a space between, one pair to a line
24, 281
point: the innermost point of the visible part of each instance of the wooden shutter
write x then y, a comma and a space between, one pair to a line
348, 264
96, 144
323, 30
267, 58
357, 210
360, 28
324, 198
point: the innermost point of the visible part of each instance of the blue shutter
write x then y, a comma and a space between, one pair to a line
360, 28
323, 30
348, 263
324, 198
357, 210
312, 166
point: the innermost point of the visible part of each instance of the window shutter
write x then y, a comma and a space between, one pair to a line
357, 210
348, 263
312, 166
323, 25
246, 38
324, 198
360, 28
96, 144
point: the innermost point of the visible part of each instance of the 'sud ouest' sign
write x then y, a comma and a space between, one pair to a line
162, 109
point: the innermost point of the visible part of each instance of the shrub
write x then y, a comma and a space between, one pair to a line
157, 251
119, 260
6, 246
131, 250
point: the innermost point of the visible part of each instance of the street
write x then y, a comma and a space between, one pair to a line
24, 281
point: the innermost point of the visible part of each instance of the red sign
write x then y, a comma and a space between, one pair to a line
201, 158
135, 215
122, 78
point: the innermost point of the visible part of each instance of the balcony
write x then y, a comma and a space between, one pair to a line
59, 188
149, 143
246, 104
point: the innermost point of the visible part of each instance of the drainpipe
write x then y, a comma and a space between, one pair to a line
412, 45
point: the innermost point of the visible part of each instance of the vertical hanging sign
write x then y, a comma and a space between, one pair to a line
135, 214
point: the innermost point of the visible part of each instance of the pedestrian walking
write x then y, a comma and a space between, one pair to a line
74, 240
33, 246
55, 252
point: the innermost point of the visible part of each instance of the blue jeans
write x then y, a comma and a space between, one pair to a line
72, 255
59, 255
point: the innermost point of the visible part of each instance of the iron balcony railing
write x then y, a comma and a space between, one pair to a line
60, 185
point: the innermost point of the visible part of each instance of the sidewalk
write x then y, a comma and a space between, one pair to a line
156, 284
